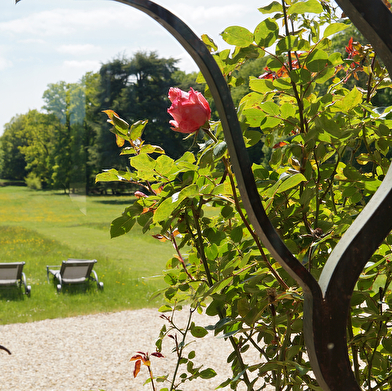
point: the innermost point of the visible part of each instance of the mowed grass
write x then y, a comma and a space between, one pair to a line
43, 228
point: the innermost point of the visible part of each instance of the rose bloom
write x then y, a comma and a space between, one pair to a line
189, 110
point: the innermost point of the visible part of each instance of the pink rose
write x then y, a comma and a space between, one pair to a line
189, 110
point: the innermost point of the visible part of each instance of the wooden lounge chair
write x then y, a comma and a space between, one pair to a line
74, 271
12, 274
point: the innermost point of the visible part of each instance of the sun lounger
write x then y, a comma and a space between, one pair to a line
12, 274
74, 271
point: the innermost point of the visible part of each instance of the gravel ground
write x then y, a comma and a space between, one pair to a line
92, 352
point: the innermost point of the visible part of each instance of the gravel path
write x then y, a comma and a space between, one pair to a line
87, 353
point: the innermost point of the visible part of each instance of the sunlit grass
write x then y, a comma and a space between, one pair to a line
44, 228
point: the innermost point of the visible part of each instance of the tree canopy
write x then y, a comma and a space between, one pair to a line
69, 142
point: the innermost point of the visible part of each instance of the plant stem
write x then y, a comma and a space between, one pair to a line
210, 134
180, 350
180, 258
248, 227
200, 248
354, 349
151, 377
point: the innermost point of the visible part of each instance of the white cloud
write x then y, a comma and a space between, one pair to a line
67, 21
4, 63
203, 14
30, 41
77, 50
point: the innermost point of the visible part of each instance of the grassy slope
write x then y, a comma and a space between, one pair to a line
44, 228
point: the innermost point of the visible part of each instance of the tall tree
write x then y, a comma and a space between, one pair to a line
41, 131
13, 161
137, 89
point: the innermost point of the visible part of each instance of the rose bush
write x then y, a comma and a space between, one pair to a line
189, 110
329, 149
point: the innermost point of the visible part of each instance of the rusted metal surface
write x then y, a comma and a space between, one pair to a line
327, 302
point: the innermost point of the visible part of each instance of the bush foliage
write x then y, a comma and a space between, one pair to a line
312, 111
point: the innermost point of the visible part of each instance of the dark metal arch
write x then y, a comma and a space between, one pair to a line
326, 306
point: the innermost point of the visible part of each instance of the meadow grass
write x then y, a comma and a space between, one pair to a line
45, 227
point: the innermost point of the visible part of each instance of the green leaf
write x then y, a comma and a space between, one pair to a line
198, 331
143, 162
212, 252
266, 33
121, 125
387, 344
165, 308
191, 355
303, 7
334, 28
283, 83
286, 44
272, 7
164, 164
189, 191
329, 126
317, 61
209, 43
290, 182
207, 373
288, 110
219, 150
170, 278
351, 100
238, 36
254, 117
165, 209
113, 176
236, 234
270, 108
124, 224
148, 148
137, 129
260, 85
252, 137
128, 151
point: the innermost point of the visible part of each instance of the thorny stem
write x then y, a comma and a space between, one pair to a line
317, 192
248, 227
179, 256
297, 97
370, 363
283, 349
200, 248
180, 350
151, 377
368, 96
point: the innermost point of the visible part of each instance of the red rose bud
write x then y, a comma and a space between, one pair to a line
190, 111
139, 194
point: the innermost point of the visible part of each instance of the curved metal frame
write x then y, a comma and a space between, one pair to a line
326, 305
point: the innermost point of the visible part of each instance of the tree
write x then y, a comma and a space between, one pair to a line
13, 161
137, 88
41, 131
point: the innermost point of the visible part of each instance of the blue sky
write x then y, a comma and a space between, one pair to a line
46, 41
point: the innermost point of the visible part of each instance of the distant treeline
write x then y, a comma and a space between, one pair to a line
69, 142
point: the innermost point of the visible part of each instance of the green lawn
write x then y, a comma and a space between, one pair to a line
43, 228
